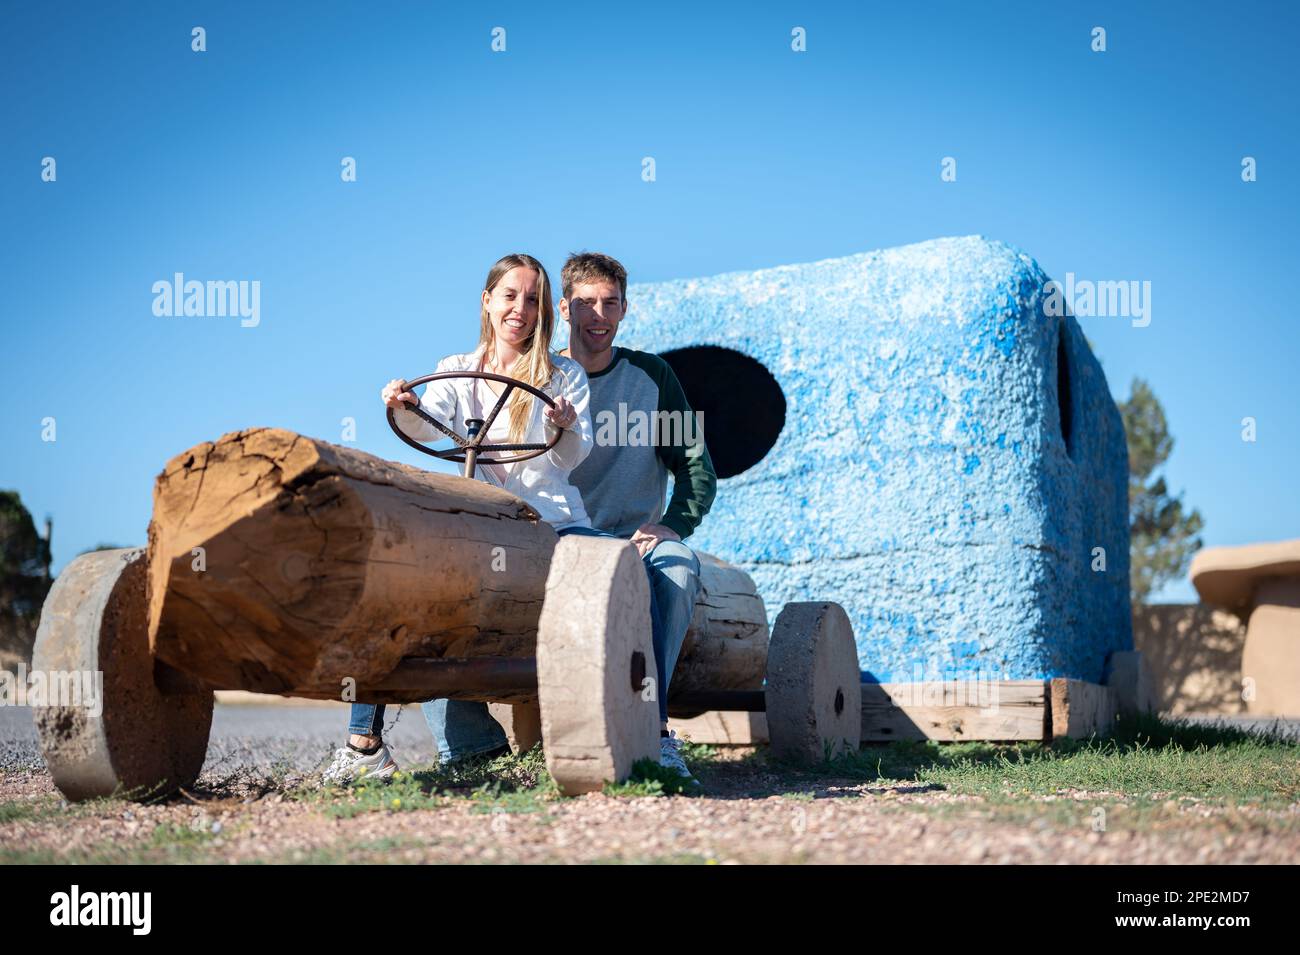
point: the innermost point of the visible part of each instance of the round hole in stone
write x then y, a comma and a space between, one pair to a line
839, 701
638, 671
741, 404
1064, 397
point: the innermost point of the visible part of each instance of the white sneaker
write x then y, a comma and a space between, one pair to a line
670, 756
350, 765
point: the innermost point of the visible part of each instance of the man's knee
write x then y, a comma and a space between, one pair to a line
678, 563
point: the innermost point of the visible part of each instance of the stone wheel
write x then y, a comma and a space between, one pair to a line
522, 723
814, 690
593, 655
143, 743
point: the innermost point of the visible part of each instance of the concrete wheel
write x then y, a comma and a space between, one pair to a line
144, 742
814, 691
593, 656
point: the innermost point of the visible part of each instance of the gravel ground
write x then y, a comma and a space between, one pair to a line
255, 738
239, 812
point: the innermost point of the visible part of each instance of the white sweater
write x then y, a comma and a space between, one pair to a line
543, 481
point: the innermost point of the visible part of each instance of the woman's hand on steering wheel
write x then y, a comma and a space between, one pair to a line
395, 394
563, 414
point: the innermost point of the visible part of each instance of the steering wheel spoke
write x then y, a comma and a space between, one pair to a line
420, 412
467, 450
492, 416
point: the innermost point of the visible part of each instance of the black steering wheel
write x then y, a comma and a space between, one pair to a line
470, 445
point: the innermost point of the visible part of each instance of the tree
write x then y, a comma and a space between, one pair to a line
24, 576
1163, 534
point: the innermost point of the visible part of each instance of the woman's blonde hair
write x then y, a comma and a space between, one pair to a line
534, 365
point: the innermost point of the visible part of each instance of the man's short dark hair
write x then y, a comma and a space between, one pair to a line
592, 267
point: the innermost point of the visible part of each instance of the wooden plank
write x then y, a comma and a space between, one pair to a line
1081, 709
996, 711
953, 711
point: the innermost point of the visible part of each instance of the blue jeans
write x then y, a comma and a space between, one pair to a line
464, 728
461, 728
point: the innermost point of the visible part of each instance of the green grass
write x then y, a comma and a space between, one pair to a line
176, 839
512, 784
49, 808
9, 856
493, 799
1143, 772
23, 811
698, 754
166, 842
1145, 757
648, 778
404, 792
385, 850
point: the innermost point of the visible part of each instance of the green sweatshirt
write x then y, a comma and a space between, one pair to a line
644, 431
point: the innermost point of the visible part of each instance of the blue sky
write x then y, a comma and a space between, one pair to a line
225, 165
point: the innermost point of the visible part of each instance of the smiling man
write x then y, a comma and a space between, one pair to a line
645, 433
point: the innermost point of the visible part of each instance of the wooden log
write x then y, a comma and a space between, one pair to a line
319, 564
283, 564
726, 644
722, 728
954, 710
1081, 709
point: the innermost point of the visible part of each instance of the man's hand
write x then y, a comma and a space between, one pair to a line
648, 536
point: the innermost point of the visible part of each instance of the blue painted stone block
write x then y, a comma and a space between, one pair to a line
951, 466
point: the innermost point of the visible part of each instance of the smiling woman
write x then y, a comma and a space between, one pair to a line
517, 316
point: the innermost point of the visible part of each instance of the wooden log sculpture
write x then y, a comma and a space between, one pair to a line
288, 565
284, 564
